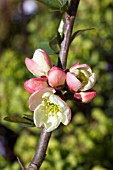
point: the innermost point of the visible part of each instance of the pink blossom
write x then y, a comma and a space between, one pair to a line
40, 64
56, 77
80, 78
35, 84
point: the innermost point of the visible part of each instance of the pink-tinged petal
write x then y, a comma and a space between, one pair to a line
73, 83
46, 57
56, 77
40, 64
36, 98
78, 65
42, 59
75, 65
84, 73
86, 96
33, 67
35, 84
67, 119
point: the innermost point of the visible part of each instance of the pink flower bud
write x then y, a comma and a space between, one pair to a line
56, 77
40, 64
35, 84
85, 96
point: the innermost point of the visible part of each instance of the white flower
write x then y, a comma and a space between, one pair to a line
49, 109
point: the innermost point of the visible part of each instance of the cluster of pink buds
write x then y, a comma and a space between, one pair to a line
50, 108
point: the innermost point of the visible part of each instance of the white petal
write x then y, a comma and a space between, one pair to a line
66, 115
65, 110
90, 83
39, 116
36, 98
86, 73
56, 100
55, 122
48, 94
39, 58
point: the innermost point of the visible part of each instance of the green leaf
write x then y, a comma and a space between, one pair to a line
64, 3
25, 120
75, 34
28, 117
55, 43
45, 46
56, 4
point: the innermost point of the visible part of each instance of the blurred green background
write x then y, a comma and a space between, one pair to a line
87, 142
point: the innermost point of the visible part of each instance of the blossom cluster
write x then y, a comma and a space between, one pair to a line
47, 89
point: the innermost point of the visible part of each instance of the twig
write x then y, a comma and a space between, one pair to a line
41, 151
69, 18
21, 164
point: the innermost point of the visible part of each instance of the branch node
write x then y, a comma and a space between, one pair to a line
32, 166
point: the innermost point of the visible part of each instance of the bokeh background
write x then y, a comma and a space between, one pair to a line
87, 142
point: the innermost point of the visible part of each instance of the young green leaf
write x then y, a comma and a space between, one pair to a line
76, 33
46, 46
26, 120
56, 4
55, 43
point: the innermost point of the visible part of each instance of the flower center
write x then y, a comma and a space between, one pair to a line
82, 77
50, 108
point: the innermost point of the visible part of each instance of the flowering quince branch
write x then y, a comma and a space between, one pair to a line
48, 99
